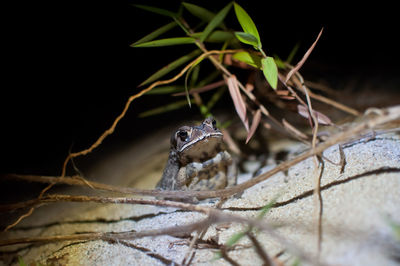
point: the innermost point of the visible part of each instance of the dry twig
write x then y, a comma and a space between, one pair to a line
386, 115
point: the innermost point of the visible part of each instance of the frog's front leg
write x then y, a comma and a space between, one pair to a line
214, 173
195, 169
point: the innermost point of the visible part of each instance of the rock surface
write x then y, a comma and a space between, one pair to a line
358, 208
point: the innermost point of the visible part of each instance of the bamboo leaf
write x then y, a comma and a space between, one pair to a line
305, 56
218, 18
164, 108
199, 11
157, 10
165, 90
321, 118
151, 36
254, 125
167, 42
293, 53
248, 58
198, 61
216, 36
279, 62
270, 71
247, 23
237, 99
215, 97
247, 38
171, 66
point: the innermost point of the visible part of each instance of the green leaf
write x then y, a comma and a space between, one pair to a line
248, 58
247, 38
165, 90
216, 36
279, 62
171, 66
164, 108
215, 97
270, 71
195, 76
293, 53
198, 61
157, 10
218, 18
167, 42
155, 34
247, 23
209, 78
199, 11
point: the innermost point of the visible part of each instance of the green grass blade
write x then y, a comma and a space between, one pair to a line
21, 261
163, 109
167, 42
236, 237
171, 66
247, 23
151, 36
218, 18
157, 10
248, 58
270, 71
247, 38
199, 11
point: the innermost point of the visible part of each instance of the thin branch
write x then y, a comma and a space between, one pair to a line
319, 203
214, 216
110, 130
20, 219
386, 115
259, 249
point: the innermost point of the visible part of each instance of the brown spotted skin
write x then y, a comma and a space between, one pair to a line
197, 160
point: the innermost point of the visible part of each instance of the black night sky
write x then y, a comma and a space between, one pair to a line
68, 68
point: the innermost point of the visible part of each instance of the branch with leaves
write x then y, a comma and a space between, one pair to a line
236, 49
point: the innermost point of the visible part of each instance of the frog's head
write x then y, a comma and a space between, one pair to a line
196, 143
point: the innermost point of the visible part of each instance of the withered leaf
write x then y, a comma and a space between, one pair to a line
237, 99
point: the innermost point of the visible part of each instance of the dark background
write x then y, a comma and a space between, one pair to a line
68, 68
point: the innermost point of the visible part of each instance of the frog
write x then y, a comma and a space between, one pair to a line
198, 160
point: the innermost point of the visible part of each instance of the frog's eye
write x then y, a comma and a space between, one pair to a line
214, 124
182, 135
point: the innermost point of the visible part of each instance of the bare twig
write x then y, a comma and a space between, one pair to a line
213, 216
19, 219
387, 115
259, 249
110, 130
319, 205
